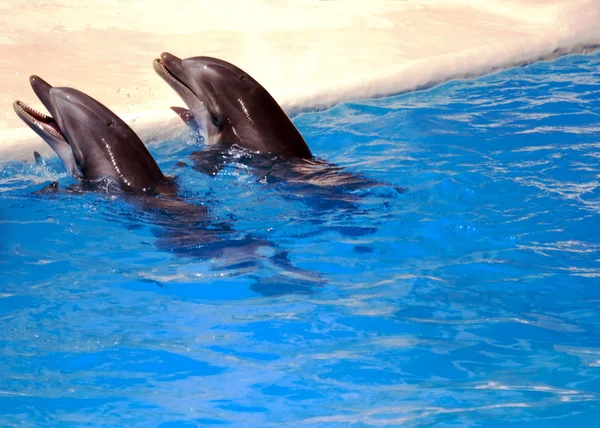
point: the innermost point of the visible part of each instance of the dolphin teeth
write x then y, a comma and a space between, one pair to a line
28, 110
166, 70
31, 114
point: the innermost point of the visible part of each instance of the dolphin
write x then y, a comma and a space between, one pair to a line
98, 148
234, 110
94, 144
232, 107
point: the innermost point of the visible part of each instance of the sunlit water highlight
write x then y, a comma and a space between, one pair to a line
469, 300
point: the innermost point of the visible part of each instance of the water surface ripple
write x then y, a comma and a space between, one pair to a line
471, 299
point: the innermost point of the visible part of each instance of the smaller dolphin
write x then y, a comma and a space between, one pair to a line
94, 144
231, 106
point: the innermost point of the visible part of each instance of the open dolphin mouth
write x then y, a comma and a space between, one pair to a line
35, 118
200, 107
160, 63
162, 70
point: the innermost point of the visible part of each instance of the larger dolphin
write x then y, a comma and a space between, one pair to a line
94, 144
231, 106
234, 109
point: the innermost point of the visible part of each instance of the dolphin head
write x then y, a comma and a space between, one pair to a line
93, 142
232, 105
201, 103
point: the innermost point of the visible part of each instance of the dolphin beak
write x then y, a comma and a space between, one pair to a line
38, 121
169, 58
172, 65
42, 90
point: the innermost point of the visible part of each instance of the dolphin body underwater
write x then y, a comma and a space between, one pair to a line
103, 153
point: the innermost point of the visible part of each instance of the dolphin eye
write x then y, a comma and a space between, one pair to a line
242, 77
215, 120
110, 122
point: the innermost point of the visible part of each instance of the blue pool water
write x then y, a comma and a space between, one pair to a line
471, 299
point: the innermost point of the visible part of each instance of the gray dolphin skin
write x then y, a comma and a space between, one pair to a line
231, 106
94, 144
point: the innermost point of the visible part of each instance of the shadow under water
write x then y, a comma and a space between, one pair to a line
186, 228
315, 181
